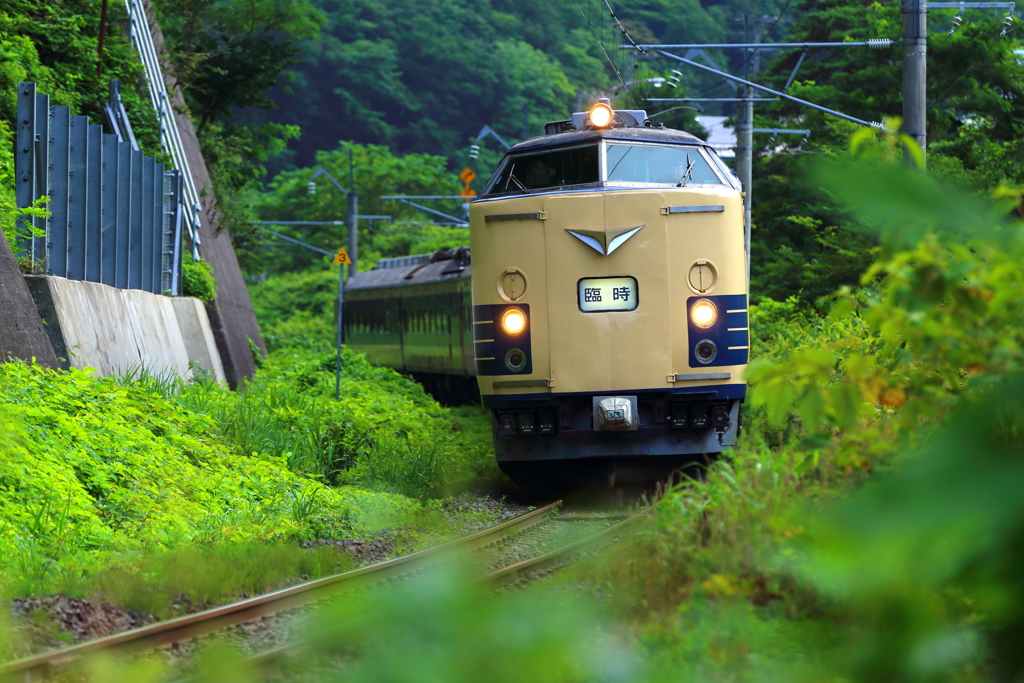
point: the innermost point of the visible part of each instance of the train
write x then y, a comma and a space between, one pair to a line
604, 315
415, 314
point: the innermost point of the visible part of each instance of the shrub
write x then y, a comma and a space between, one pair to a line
197, 280
91, 467
385, 426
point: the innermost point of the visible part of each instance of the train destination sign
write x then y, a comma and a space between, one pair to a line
604, 294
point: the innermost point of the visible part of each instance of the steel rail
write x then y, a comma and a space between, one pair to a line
268, 659
514, 571
39, 667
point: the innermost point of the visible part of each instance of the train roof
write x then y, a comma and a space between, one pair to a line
446, 265
630, 133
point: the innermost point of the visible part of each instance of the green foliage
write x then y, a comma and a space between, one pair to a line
167, 582
227, 54
805, 242
257, 354
14, 223
95, 468
92, 467
456, 632
197, 280
398, 464
946, 320
425, 76
235, 155
927, 560
868, 527
446, 629
297, 309
385, 433
55, 46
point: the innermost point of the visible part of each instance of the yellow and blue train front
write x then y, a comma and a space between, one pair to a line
633, 314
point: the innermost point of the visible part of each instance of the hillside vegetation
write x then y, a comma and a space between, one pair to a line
102, 475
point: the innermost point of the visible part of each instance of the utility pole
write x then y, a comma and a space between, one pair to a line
353, 216
745, 149
341, 286
353, 207
915, 48
745, 164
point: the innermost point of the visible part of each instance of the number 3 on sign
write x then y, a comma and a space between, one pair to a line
342, 258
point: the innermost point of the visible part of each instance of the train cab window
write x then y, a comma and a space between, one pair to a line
564, 167
659, 164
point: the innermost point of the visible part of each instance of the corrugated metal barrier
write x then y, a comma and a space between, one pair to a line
116, 214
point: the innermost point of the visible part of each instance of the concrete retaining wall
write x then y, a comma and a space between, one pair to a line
231, 315
116, 330
197, 334
21, 331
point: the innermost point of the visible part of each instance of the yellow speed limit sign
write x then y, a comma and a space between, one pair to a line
342, 258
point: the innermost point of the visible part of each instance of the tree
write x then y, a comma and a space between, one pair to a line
802, 243
378, 173
426, 75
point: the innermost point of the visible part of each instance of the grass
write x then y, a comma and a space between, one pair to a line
169, 583
102, 475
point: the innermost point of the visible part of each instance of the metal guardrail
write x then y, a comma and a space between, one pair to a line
142, 38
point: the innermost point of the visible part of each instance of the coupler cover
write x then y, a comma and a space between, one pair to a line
615, 414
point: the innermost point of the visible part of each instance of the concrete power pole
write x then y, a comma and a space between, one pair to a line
915, 51
745, 164
353, 216
745, 149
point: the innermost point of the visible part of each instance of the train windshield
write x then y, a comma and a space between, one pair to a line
659, 165
548, 169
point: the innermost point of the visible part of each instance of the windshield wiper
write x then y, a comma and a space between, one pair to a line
612, 172
512, 178
688, 175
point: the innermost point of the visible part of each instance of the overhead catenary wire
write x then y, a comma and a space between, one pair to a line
600, 44
750, 55
622, 29
762, 88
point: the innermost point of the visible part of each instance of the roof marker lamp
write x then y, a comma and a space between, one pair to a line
704, 313
601, 115
513, 321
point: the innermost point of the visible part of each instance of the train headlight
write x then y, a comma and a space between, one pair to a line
601, 115
704, 313
513, 321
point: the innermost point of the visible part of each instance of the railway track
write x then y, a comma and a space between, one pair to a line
540, 540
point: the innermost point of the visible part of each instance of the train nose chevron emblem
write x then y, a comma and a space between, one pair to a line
605, 242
